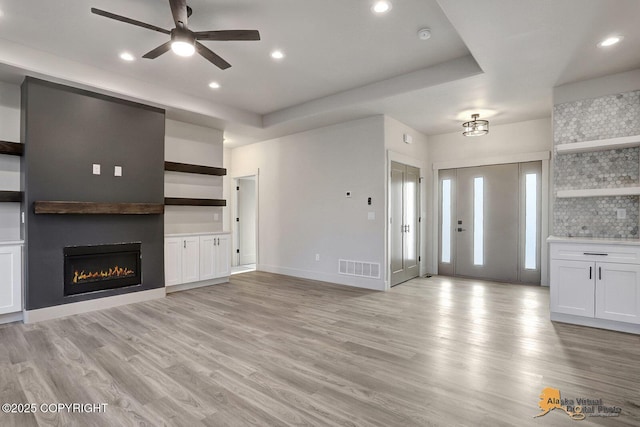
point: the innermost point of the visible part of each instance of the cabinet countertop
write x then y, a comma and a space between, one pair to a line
205, 233
594, 240
12, 243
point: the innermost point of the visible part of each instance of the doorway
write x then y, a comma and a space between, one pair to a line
404, 193
245, 236
490, 222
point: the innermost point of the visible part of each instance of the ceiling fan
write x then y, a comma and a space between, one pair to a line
184, 42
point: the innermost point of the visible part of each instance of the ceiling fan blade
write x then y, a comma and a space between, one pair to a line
128, 20
212, 57
228, 35
163, 48
179, 12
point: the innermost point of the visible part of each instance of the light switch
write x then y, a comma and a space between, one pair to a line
96, 169
371, 216
117, 171
622, 213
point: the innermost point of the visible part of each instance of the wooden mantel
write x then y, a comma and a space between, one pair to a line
96, 208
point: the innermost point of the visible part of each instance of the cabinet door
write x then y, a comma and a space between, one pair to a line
207, 257
10, 279
223, 256
573, 287
172, 261
190, 259
618, 292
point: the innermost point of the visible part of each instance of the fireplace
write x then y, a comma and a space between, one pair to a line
101, 267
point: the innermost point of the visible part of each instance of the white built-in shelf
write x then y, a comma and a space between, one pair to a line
599, 192
599, 145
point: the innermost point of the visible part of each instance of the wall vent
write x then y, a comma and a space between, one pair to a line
359, 268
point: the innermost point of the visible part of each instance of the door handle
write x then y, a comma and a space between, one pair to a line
461, 229
184, 244
599, 273
590, 272
408, 228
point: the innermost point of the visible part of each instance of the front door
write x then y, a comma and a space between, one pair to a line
489, 222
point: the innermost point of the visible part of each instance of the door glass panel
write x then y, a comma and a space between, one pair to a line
446, 221
412, 221
478, 221
531, 221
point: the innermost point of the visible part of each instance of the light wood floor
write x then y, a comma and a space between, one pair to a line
273, 350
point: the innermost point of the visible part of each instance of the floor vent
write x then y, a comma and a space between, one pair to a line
359, 268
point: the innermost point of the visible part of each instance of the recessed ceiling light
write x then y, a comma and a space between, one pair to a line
277, 54
381, 6
610, 41
126, 56
214, 85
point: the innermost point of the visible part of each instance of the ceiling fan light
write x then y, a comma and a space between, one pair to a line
182, 48
475, 127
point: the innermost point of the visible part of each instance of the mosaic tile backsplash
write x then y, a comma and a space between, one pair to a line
606, 117
596, 217
601, 169
586, 120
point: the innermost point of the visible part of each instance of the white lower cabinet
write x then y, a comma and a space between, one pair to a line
215, 258
618, 292
573, 288
190, 259
585, 283
10, 279
194, 258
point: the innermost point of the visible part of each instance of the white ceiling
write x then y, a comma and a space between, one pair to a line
341, 61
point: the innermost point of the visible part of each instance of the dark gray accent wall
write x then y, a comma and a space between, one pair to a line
65, 131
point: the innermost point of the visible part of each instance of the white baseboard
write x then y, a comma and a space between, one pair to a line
629, 328
39, 315
338, 279
11, 317
194, 285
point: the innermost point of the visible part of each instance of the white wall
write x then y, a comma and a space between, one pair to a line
515, 138
513, 143
9, 165
187, 143
303, 210
414, 154
595, 88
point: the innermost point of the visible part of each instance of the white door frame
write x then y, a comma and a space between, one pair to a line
234, 215
393, 156
543, 156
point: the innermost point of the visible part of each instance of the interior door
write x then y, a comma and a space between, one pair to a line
404, 190
246, 220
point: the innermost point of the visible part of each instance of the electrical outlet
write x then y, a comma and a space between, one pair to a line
317, 257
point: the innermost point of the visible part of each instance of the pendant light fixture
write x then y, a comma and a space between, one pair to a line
476, 127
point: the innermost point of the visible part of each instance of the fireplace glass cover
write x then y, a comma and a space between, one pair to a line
101, 267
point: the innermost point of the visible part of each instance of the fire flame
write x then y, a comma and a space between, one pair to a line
112, 272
